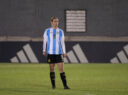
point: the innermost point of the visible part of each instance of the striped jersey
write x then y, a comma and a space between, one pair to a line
54, 41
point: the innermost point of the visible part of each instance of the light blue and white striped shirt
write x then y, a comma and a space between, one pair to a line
54, 39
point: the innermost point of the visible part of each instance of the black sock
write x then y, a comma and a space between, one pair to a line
63, 78
52, 77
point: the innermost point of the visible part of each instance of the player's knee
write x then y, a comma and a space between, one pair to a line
51, 69
61, 70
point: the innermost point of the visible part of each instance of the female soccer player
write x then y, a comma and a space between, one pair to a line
54, 39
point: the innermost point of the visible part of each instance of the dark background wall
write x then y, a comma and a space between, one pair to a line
95, 52
31, 17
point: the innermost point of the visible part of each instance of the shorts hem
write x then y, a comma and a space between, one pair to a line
55, 62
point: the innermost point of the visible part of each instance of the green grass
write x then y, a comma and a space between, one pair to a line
83, 79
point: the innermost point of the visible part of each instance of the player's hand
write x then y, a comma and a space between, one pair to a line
65, 55
44, 53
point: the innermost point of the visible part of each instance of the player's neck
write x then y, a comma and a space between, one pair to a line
54, 27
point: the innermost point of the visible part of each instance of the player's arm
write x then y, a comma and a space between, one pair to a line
45, 39
63, 44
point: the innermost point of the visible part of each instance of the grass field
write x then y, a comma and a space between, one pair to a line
83, 79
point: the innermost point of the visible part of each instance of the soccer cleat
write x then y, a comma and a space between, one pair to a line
66, 87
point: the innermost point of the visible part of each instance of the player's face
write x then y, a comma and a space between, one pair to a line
55, 23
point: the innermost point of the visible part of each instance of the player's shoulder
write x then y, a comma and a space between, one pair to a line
60, 30
47, 29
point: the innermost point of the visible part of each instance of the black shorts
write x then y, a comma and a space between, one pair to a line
52, 58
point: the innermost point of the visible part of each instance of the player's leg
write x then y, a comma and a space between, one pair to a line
62, 74
52, 75
60, 67
52, 67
